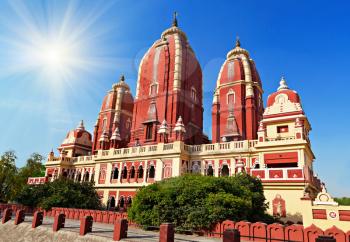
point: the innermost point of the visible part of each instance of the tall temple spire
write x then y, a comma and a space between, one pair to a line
175, 19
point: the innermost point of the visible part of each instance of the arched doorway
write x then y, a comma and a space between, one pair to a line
125, 173
151, 172
140, 172
121, 202
115, 173
111, 203
86, 176
210, 171
225, 170
132, 172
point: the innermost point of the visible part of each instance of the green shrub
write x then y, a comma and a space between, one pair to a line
60, 193
198, 202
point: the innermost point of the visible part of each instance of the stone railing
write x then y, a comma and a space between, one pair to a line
233, 146
295, 173
37, 180
62, 159
146, 150
175, 147
280, 138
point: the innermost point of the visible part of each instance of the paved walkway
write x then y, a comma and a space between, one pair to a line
106, 231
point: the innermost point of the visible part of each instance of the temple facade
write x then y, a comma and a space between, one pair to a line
159, 133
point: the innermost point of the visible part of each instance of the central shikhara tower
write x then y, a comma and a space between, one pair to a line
159, 133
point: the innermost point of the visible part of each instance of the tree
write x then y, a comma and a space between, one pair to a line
343, 200
12, 179
60, 193
33, 168
8, 173
198, 202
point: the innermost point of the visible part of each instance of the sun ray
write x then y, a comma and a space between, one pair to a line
56, 52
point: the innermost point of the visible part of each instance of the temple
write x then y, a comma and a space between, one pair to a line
159, 133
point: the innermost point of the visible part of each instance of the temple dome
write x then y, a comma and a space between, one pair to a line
292, 95
78, 136
235, 69
77, 142
169, 85
283, 101
170, 57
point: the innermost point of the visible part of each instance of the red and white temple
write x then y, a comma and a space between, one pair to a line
159, 133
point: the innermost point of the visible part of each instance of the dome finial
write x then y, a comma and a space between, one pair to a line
122, 78
175, 19
283, 84
238, 42
81, 125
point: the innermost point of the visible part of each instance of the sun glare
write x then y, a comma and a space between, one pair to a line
57, 48
55, 56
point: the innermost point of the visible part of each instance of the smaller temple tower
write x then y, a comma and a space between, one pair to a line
77, 143
284, 120
237, 104
112, 128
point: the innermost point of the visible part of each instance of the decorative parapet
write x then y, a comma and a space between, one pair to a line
324, 198
278, 174
176, 147
226, 147
37, 180
61, 159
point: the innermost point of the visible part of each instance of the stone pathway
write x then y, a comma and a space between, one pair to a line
105, 231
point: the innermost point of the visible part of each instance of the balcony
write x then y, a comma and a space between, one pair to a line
227, 147
293, 174
37, 180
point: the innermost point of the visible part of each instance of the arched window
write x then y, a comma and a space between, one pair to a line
72, 175
225, 171
115, 173
151, 172
86, 176
132, 172
153, 89
79, 177
231, 99
125, 173
210, 171
140, 172
193, 94
92, 177
149, 131
121, 202
64, 174
129, 201
104, 123
111, 202
128, 123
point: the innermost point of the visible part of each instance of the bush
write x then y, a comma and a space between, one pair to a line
60, 193
343, 200
198, 202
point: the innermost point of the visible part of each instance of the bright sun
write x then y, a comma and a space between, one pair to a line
55, 56
55, 49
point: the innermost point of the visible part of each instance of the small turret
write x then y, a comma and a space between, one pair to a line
163, 131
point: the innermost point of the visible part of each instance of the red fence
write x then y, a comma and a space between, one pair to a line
97, 215
277, 232
16, 207
249, 231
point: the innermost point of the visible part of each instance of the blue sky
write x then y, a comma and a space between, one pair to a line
306, 41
